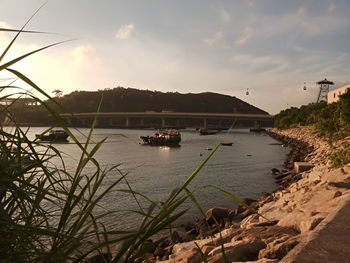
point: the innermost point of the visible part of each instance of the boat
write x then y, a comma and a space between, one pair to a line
226, 143
53, 136
207, 132
167, 137
257, 130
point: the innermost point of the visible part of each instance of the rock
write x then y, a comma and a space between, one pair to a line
159, 251
345, 185
188, 226
181, 247
310, 223
100, 258
263, 260
216, 214
337, 194
250, 220
249, 201
207, 248
277, 249
275, 171
175, 237
189, 256
267, 223
149, 246
192, 232
226, 235
245, 214
138, 260
267, 234
238, 251
282, 175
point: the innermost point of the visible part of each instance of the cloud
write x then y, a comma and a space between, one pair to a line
225, 16
84, 54
172, 68
217, 36
125, 31
247, 34
259, 63
3, 24
331, 8
311, 28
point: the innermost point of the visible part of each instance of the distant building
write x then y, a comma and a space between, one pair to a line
26, 101
333, 95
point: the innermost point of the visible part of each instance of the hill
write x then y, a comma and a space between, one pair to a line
132, 100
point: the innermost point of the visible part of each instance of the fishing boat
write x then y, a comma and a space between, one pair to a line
168, 137
207, 132
53, 136
226, 143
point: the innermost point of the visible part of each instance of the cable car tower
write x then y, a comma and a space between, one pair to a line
324, 89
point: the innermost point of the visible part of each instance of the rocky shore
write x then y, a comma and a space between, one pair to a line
285, 217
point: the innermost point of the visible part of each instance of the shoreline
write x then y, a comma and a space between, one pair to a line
290, 213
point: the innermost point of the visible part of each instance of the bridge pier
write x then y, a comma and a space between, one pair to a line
83, 122
127, 121
257, 125
163, 122
205, 124
110, 122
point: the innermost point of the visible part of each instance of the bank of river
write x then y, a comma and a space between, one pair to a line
289, 214
243, 169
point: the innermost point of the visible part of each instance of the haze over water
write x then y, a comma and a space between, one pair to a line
155, 171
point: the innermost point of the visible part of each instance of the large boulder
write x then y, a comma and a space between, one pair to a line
279, 248
217, 215
237, 251
192, 255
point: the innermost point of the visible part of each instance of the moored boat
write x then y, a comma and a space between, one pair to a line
207, 132
169, 137
226, 143
53, 136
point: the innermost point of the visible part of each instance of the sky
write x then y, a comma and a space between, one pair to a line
270, 47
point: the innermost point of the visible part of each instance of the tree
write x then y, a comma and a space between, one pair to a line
58, 92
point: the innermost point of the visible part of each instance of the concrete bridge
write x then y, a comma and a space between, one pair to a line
166, 119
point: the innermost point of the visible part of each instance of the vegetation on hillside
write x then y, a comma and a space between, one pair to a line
331, 121
132, 100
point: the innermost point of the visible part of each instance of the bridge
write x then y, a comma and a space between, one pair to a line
165, 119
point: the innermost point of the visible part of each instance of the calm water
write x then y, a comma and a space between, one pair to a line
154, 171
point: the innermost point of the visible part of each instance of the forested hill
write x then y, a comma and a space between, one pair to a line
134, 100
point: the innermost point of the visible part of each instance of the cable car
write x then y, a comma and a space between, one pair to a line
304, 88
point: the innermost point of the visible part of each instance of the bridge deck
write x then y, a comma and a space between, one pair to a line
172, 115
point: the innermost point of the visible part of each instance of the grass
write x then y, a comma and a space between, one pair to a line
48, 214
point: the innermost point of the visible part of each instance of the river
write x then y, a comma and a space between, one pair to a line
242, 169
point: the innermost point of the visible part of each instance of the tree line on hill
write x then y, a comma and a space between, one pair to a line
330, 120
133, 100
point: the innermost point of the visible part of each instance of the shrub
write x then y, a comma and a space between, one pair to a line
341, 157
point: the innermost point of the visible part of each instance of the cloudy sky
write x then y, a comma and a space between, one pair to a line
269, 46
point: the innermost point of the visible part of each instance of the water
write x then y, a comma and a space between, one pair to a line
242, 169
